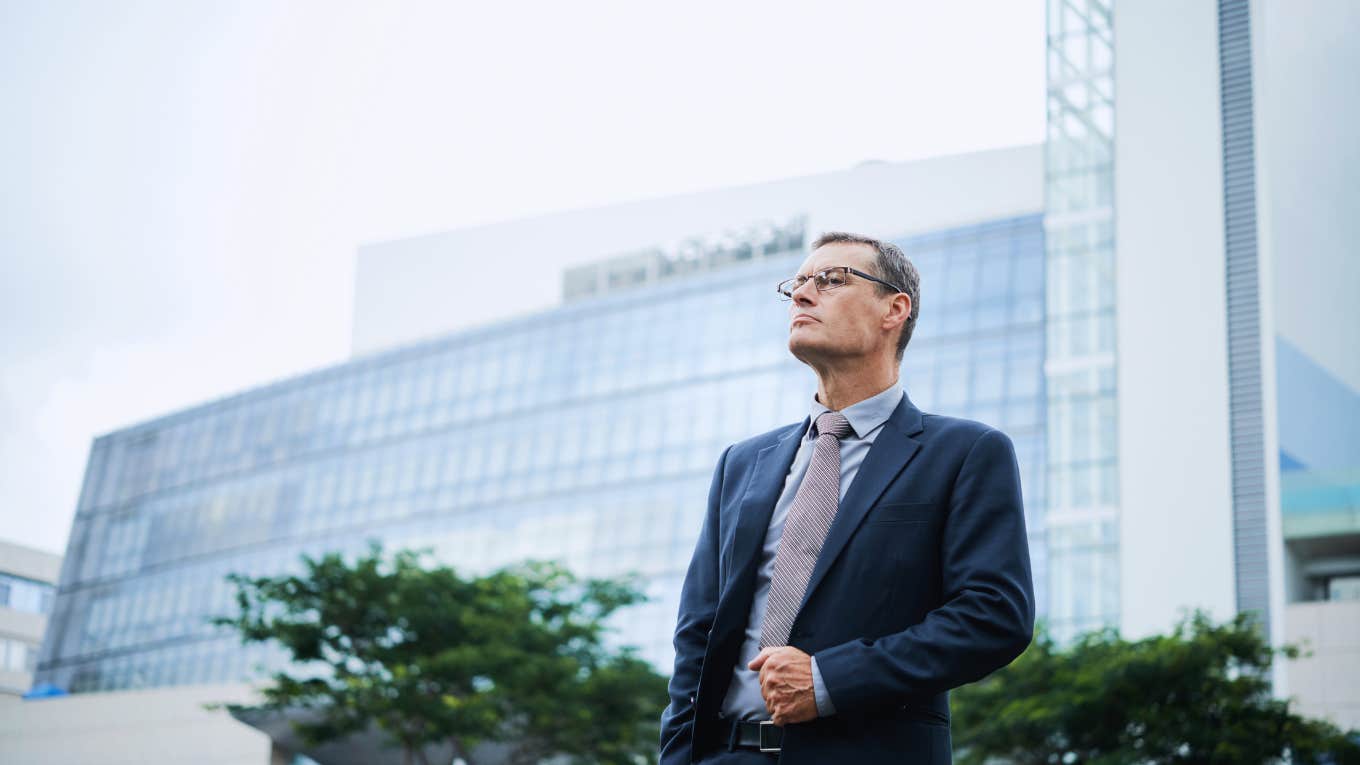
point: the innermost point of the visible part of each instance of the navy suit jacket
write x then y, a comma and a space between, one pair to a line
923, 584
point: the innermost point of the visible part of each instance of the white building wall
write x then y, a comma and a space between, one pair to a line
1176, 529
1326, 680
148, 727
1308, 137
413, 289
1307, 116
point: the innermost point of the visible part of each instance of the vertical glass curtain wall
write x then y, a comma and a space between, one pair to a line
1082, 512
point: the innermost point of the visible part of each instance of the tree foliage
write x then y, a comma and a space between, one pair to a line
1198, 695
516, 657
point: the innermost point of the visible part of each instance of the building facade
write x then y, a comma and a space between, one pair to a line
585, 433
1307, 185
1202, 329
28, 585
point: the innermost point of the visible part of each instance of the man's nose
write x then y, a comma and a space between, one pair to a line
806, 293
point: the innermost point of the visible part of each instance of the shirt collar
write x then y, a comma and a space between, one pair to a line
865, 415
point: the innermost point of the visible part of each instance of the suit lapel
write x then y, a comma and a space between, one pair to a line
757, 504
892, 450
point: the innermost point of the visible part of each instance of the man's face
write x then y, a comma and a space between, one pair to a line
845, 322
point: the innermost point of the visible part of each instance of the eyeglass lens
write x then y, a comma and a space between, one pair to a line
826, 279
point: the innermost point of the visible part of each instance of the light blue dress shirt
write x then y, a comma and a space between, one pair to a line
866, 420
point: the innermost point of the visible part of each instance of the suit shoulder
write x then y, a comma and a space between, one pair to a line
750, 446
958, 429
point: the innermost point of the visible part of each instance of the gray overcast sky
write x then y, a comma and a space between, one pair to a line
185, 183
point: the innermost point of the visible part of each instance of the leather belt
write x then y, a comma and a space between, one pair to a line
762, 735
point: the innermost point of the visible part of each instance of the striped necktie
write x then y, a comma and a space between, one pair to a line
809, 518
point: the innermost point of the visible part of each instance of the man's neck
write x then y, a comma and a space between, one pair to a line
838, 389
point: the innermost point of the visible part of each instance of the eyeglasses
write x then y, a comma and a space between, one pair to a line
828, 279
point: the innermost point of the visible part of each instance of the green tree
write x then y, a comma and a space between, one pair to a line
1198, 695
428, 657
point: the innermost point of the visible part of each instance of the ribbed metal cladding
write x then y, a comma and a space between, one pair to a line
1244, 326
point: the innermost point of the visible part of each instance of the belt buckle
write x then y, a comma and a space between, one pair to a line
764, 726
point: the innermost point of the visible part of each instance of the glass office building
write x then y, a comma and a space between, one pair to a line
587, 434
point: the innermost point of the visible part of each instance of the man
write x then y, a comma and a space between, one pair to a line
854, 567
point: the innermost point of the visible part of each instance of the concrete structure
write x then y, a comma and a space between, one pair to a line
1308, 189
28, 579
1325, 681
164, 726
1173, 402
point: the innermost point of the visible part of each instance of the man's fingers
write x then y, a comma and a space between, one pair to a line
767, 690
768, 677
759, 660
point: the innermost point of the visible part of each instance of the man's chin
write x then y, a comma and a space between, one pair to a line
803, 350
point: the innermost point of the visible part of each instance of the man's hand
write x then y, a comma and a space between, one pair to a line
786, 684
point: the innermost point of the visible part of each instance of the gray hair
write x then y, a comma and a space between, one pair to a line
893, 266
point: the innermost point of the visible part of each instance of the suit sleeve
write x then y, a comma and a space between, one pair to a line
698, 603
987, 615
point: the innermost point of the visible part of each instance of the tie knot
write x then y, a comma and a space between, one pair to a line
833, 424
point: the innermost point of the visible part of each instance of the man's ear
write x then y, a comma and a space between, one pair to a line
898, 312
